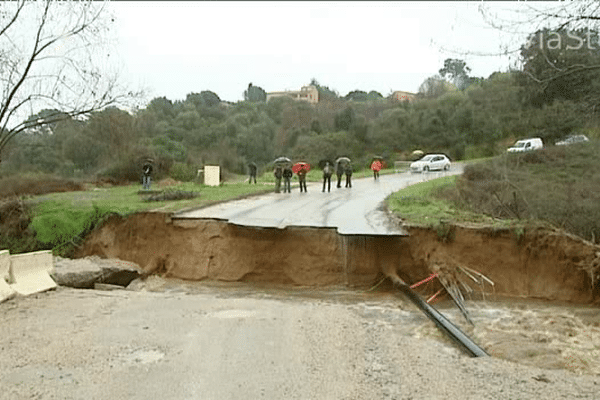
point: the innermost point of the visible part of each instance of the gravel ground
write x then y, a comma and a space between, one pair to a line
176, 340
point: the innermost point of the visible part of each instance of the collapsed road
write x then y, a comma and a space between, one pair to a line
351, 211
256, 328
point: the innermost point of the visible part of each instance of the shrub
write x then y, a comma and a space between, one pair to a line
183, 172
172, 195
15, 233
37, 184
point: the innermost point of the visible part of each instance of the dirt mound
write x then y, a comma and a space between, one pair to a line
538, 263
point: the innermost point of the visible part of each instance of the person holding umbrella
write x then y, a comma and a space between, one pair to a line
301, 169
280, 164
146, 172
348, 171
341, 167
376, 166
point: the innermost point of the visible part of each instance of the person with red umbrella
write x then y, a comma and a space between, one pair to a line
301, 169
376, 167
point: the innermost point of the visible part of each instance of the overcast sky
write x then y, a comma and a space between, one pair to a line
175, 48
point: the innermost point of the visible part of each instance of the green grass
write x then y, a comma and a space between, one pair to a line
420, 204
60, 217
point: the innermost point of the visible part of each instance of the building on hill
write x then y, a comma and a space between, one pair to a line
401, 96
306, 93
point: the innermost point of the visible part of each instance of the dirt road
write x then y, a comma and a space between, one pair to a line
234, 341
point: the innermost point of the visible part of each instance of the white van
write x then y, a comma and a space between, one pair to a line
526, 145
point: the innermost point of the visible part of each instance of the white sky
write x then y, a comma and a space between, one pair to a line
174, 48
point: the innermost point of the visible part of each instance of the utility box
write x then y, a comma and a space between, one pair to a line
211, 175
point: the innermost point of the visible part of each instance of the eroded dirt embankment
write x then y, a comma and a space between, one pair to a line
537, 263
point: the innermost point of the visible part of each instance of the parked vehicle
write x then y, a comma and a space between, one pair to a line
572, 140
431, 162
526, 145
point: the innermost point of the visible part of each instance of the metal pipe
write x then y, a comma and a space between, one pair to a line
440, 321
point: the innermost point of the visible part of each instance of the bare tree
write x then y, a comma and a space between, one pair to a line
54, 56
554, 15
525, 21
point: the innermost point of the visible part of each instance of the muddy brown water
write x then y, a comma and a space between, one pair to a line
542, 310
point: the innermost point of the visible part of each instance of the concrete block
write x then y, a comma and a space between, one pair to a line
6, 292
212, 175
30, 272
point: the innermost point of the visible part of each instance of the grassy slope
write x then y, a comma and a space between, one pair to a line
421, 204
559, 186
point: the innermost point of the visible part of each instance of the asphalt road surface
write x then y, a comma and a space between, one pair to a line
353, 211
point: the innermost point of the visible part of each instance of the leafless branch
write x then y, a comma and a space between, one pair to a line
53, 65
14, 18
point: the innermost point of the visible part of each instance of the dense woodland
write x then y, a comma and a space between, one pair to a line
454, 113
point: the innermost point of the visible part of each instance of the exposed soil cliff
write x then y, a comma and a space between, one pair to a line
538, 263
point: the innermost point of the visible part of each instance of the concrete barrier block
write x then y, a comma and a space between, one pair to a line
30, 272
6, 292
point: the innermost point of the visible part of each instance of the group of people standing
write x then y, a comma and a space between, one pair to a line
285, 173
341, 169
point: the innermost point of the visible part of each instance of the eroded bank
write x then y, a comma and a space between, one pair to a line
537, 263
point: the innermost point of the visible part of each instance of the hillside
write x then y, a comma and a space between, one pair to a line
559, 185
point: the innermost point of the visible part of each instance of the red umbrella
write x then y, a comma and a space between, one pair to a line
301, 166
376, 166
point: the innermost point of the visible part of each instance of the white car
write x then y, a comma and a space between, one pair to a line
572, 140
526, 145
431, 162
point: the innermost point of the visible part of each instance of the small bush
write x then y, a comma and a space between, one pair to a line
15, 233
123, 172
481, 172
172, 195
183, 172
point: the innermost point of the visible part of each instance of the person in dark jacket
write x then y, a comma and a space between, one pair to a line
327, 172
339, 171
287, 176
302, 180
252, 172
146, 172
278, 172
348, 172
